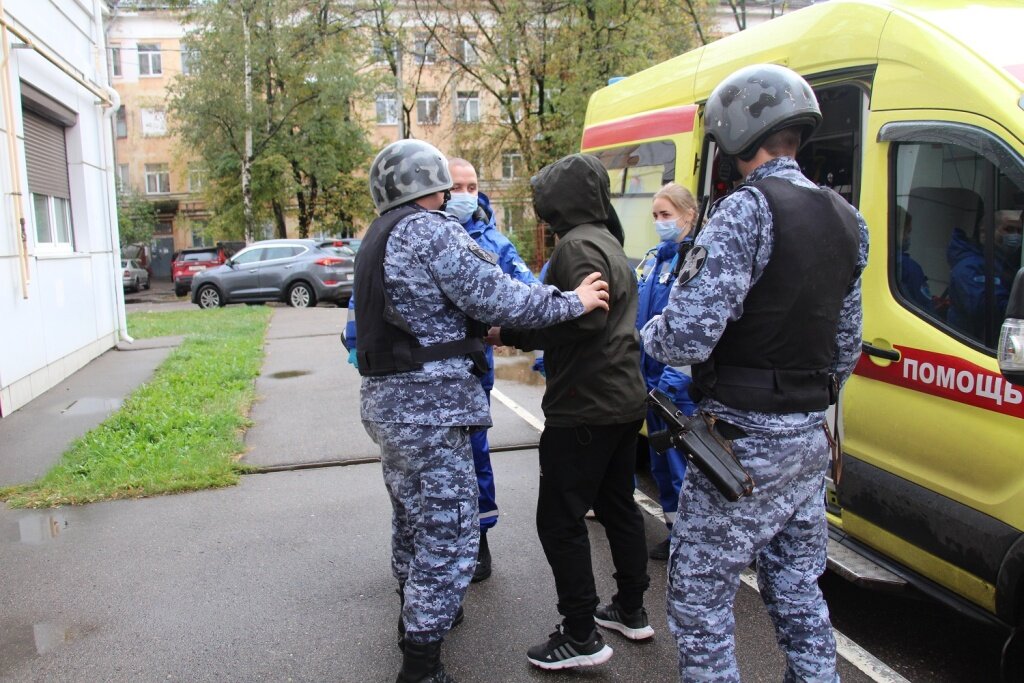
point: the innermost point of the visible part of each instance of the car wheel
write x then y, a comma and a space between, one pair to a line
301, 296
180, 291
146, 286
209, 297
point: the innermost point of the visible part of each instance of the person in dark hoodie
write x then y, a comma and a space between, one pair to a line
593, 407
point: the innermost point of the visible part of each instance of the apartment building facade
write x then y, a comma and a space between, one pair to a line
146, 49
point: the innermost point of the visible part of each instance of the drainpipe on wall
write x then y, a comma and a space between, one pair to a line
110, 187
20, 237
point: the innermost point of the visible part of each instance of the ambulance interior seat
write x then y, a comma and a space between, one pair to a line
936, 212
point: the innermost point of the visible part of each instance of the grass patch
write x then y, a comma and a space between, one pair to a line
181, 431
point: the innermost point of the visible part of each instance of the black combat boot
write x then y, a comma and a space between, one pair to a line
421, 663
483, 560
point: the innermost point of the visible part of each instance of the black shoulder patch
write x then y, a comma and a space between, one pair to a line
482, 253
695, 260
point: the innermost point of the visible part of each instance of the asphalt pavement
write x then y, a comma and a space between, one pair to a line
285, 577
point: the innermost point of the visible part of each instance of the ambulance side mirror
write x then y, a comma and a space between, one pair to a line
1010, 352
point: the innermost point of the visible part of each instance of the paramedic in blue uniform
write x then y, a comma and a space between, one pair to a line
421, 284
473, 210
767, 311
675, 212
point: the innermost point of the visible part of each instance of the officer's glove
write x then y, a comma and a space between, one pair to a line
352, 359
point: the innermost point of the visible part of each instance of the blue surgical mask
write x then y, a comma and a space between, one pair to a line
1012, 241
461, 205
667, 231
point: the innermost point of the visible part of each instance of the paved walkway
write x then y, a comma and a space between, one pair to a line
285, 576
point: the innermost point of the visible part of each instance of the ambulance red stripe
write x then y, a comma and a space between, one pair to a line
656, 124
947, 377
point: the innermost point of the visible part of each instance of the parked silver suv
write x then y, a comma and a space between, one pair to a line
298, 272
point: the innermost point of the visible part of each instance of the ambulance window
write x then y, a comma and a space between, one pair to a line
639, 168
955, 230
637, 171
830, 158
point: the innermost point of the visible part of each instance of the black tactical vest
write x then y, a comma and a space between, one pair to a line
385, 344
778, 356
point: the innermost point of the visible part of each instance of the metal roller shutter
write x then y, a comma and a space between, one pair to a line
46, 157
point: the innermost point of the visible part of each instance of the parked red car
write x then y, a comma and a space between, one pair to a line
192, 260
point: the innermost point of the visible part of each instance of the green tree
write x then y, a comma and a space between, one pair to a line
295, 141
542, 59
136, 218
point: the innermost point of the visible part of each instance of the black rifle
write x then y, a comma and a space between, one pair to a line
703, 440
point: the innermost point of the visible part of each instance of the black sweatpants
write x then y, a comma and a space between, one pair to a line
582, 468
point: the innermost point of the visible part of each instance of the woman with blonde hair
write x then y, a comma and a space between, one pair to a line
675, 215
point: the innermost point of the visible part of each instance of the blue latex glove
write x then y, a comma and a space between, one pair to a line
538, 366
352, 359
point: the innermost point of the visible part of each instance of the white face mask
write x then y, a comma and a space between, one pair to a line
461, 205
667, 231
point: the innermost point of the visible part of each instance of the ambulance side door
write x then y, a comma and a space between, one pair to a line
933, 474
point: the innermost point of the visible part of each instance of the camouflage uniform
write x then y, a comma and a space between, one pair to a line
782, 525
437, 275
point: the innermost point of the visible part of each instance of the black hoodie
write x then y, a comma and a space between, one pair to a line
593, 362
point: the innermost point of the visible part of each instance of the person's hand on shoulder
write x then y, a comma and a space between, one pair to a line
593, 293
493, 336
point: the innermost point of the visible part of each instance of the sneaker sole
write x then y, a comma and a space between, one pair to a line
599, 657
631, 633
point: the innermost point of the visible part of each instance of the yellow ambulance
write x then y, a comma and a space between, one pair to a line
923, 106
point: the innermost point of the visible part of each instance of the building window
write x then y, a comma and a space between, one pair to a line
387, 109
46, 165
424, 49
121, 122
514, 104
121, 174
53, 220
196, 179
149, 59
189, 59
427, 112
467, 50
158, 179
378, 55
154, 122
511, 165
468, 104
115, 62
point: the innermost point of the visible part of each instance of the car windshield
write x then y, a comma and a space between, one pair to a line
340, 251
198, 256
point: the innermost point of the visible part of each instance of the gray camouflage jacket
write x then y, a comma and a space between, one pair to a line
738, 239
436, 275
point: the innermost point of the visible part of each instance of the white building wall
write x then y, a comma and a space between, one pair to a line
75, 304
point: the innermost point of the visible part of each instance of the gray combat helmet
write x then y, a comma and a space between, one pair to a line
756, 101
406, 170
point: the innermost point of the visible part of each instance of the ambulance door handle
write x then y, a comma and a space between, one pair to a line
887, 354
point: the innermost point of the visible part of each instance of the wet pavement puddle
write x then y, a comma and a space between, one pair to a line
89, 405
21, 643
36, 529
286, 374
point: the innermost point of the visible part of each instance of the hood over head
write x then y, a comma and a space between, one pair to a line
573, 191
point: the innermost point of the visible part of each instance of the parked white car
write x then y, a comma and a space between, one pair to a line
133, 275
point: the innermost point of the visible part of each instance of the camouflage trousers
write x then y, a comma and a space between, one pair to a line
429, 475
782, 525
